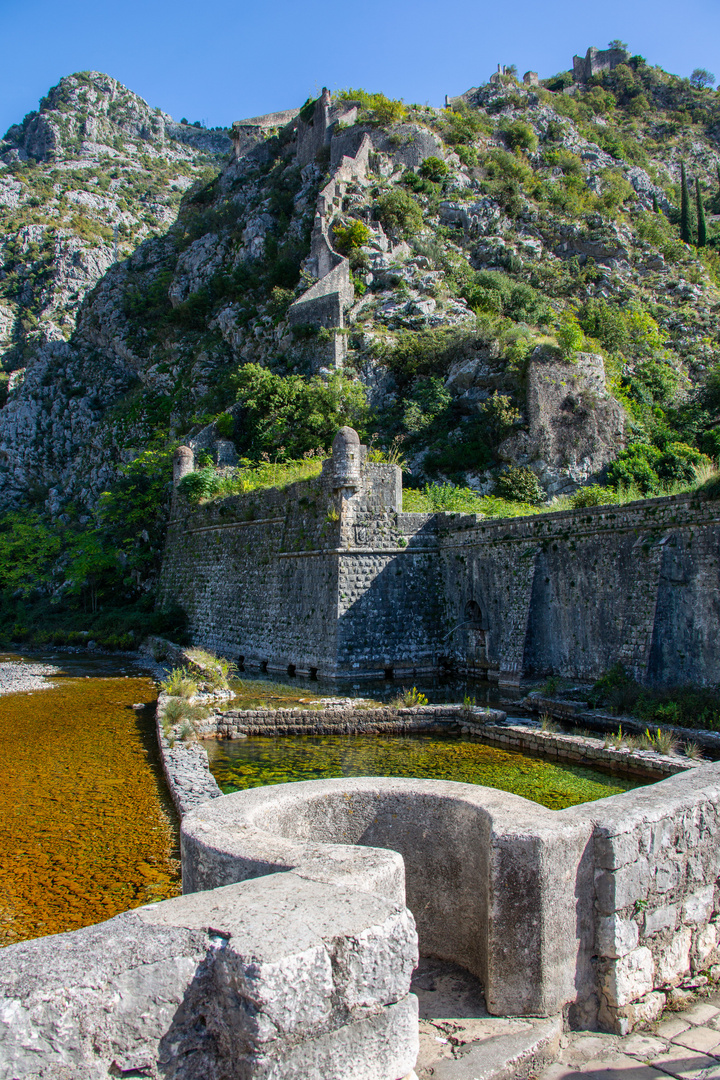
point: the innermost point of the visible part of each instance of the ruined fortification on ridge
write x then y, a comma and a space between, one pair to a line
329, 576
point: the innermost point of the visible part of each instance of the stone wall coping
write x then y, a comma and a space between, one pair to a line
604, 721
320, 975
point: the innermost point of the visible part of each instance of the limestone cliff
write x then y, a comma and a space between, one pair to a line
503, 277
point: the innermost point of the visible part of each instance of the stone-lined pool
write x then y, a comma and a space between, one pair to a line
260, 760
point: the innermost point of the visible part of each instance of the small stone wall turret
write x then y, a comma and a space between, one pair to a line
183, 463
346, 459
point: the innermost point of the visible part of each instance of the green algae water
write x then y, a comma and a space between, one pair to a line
86, 827
255, 761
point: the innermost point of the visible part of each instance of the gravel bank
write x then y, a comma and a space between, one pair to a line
17, 676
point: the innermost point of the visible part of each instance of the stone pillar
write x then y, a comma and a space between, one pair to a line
346, 459
183, 463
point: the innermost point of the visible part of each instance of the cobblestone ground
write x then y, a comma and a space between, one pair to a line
683, 1043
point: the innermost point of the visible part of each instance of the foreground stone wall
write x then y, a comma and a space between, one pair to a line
657, 869
599, 909
285, 977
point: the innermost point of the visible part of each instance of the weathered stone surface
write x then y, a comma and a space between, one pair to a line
489, 876
629, 977
674, 960
575, 426
615, 937
282, 970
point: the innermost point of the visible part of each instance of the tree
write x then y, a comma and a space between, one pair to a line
684, 206
656, 208
616, 43
701, 226
702, 78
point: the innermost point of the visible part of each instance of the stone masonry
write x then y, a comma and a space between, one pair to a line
330, 577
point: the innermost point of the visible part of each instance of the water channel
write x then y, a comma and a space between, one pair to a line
86, 826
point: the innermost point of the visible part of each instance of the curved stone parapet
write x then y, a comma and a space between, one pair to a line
600, 907
282, 977
490, 877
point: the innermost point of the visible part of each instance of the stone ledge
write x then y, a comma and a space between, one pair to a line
293, 978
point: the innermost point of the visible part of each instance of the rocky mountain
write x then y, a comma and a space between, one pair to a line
83, 181
504, 279
516, 294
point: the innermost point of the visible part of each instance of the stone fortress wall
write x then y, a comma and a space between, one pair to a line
330, 577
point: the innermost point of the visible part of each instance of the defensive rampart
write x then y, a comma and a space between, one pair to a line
330, 577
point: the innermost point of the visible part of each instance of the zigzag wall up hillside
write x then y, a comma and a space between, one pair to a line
277, 580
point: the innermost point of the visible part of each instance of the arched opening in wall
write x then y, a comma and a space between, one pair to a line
241, 663
263, 665
291, 669
313, 673
389, 673
472, 641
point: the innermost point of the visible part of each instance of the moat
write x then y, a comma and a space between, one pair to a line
86, 827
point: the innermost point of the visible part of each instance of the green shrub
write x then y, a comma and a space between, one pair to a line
201, 484
518, 483
468, 155
350, 237
491, 291
179, 683
651, 469
225, 425
211, 669
375, 108
519, 135
286, 417
399, 213
434, 168
409, 699
460, 125
594, 495
569, 333
419, 184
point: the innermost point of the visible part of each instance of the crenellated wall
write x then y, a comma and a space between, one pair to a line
336, 579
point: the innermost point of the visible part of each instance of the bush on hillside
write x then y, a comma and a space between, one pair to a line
399, 213
518, 483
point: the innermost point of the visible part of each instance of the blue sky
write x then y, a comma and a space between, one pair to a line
219, 61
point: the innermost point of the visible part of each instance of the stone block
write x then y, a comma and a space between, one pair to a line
615, 937
629, 978
674, 959
283, 971
706, 946
666, 875
612, 852
699, 906
380, 1047
622, 1020
616, 889
662, 918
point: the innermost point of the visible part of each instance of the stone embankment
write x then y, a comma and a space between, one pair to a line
185, 765
577, 712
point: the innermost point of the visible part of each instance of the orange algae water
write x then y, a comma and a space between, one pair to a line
86, 827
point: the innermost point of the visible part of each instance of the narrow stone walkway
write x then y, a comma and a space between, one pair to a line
683, 1044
